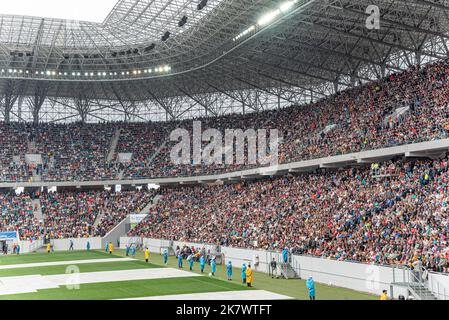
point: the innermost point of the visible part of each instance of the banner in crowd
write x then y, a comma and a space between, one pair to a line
136, 218
8, 235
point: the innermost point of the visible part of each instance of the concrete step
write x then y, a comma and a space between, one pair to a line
113, 146
38, 212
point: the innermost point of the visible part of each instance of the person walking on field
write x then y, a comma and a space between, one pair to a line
111, 248
191, 261
133, 250
311, 286
213, 266
244, 274
179, 260
202, 263
273, 266
229, 270
165, 256
147, 255
249, 276
127, 250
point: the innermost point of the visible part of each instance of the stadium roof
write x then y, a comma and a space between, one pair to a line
80, 10
232, 55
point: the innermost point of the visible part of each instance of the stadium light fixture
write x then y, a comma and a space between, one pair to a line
202, 4
286, 6
266, 19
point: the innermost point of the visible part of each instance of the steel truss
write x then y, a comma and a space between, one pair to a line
316, 51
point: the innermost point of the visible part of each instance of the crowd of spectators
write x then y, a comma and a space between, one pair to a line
120, 205
347, 214
74, 214
74, 152
69, 214
356, 119
18, 214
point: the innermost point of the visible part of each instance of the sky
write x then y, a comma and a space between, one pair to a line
84, 10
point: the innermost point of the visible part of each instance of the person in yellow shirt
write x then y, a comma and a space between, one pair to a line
111, 248
384, 295
249, 276
48, 247
147, 255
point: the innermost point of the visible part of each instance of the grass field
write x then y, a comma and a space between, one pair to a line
187, 284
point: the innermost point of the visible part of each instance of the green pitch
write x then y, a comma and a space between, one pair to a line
154, 287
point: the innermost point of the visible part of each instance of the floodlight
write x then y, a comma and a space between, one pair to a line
268, 17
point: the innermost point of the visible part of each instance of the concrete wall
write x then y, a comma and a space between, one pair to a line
78, 244
439, 285
30, 246
119, 230
61, 244
357, 276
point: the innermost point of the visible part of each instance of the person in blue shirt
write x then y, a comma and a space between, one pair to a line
133, 250
127, 250
229, 270
202, 263
106, 248
191, 261
88, 246
179, 260
213, 266
285, 255
71, 245
18, 249
165, 256
311, 286
244, 273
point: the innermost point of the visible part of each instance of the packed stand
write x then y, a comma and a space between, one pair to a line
18, 214
74, 214
75, 152
357, 119
348, 215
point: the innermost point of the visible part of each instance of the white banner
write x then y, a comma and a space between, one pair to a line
136, 218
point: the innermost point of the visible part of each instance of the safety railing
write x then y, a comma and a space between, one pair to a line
421, 282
